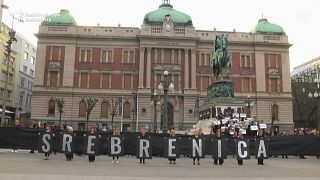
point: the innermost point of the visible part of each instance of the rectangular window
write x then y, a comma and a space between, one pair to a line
105, 81
246, 84
55, 53
33, 59
242, 61
159, 56
274, 85
204, 83
176, 81
248, 61
104, 56
26, 56
167, 56
25, 69
175, 56
88, 56
83, 56
53, 79
208, 60
84, 77
21, 99
202, 59
22, 82
31, 72
109, 56
131, 57
127, 81
273, 61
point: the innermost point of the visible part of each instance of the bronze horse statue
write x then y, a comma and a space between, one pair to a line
221, 58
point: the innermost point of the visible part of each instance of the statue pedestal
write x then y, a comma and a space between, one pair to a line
222, 89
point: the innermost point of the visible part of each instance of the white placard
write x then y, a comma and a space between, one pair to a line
243, 115
254, 128
216, 123
263, 126
243, 131
225, 121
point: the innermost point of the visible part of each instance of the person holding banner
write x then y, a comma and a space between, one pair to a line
116, 132
69, 156
144, 147
197, 150
47, 131
92, 157
261, 151
220, 159
172, 160
239, 159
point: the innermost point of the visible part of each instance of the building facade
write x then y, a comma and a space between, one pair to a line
4, 37
25, 71
76, 62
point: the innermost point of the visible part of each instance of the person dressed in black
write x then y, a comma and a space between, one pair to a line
301, 133
142, 136
34, 126
197, 136
172, 134
218, 136
92, 158
240, 136
69, 157
116, 132
260, 136
47, 130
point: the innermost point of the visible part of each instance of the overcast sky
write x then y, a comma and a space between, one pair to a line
300, 19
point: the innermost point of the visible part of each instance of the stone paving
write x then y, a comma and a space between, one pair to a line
23, 165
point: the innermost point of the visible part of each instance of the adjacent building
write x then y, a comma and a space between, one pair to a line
24, 71
77, 62
4, 37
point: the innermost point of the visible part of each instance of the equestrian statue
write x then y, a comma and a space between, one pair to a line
221, 58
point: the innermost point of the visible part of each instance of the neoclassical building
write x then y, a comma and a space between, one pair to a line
76, 62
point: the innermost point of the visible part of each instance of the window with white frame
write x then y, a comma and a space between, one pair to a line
85, 55
106, 56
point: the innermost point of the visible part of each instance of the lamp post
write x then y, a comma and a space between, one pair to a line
155, 101
166, 85
249, 105
60, 105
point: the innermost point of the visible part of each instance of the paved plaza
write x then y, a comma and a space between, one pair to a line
23, 165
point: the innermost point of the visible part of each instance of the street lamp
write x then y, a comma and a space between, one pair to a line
249, 105
165, 86
155, 101
60, 105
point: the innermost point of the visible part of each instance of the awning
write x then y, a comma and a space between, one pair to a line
10, 112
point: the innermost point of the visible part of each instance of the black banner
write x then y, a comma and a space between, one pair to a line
172, 147
242, 149
67, 143
219, 150
91, 144
262, 148
45, 143
115, 146
197, 147
144, 148
26, 138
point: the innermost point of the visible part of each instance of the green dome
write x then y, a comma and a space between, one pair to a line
158, 16
264, 26
64, 18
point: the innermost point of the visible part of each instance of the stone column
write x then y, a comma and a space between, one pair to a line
141, 67
193, 70
186, 68
148, 79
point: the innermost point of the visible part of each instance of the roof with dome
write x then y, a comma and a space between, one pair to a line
264, 26
158, 16
63, 18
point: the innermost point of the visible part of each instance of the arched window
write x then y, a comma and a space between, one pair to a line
82, 109
275, 112
126, 110
104, 109
51, 107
